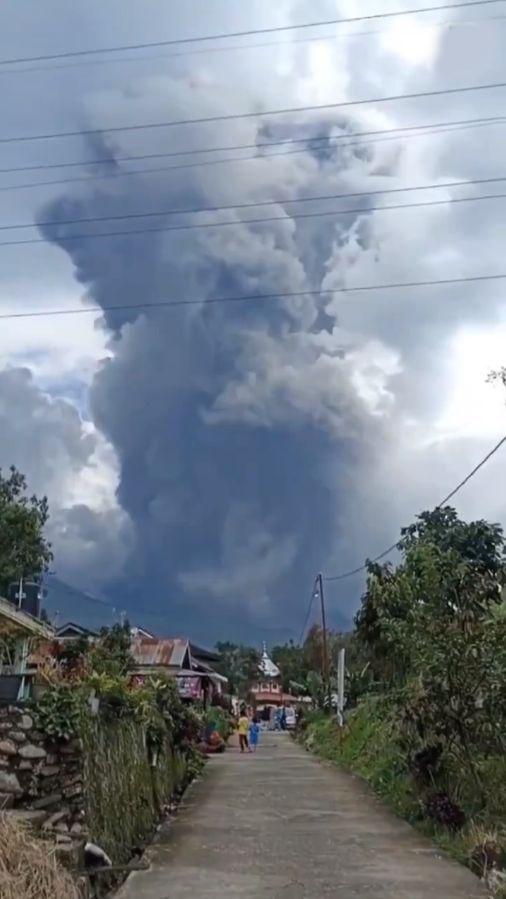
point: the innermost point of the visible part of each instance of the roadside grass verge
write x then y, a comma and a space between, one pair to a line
368, 746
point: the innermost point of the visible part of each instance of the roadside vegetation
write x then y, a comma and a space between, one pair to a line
426, 715
28, 866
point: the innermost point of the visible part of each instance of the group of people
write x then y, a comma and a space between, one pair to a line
249, 724
248, 729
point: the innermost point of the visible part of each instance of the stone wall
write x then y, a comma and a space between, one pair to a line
42, 778
104, 786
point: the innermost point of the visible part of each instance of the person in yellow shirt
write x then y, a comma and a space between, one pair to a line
242, 730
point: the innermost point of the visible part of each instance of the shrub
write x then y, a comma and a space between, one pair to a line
444, 811
220, 720
58, 712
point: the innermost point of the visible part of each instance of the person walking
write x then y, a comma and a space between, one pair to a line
254, 733
242, 730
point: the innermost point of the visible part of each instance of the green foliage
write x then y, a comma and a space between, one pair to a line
58, 713
293, 664
367, 746
431, 638
239, 664
124, 791
113, 691
436, 636
220, 720
111, 653
23, 550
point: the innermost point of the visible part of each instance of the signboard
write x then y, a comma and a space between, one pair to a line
189, 687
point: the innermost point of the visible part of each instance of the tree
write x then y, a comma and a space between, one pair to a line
111, 653
435, 629
240, 664
292, 663
24, 552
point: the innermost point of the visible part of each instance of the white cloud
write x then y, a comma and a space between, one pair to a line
69, 461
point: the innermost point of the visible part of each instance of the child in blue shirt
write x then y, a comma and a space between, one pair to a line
254, 733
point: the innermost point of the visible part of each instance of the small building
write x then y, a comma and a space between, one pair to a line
72, 632
189, 664
19, 632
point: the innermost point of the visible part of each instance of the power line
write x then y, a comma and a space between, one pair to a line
203, 301
308, 613
225, 117
164, 229
233, 34
386, 552
113, 160
472, 473
440, 25
281, 201
495, 120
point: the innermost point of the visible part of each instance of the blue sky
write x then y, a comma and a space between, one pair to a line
203, 463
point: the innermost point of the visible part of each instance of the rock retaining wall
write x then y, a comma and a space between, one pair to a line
104, 786
42, 780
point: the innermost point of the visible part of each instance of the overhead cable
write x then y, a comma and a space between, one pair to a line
234, 116
120, 173
330, 138
393, 546
308, 613
227, 48
197, 226
255, 297
280, 201
120, 48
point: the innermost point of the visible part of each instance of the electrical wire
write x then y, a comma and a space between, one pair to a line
308, 613
164, 229
440, 25
386, 552
114, 160
235, 116
252, 31
281, 201
114, 174
203, 301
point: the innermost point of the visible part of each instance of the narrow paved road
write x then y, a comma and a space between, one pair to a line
281, 825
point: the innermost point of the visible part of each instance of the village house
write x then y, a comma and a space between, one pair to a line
188, 663
19, 630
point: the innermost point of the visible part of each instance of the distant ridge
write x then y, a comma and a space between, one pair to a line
64, 603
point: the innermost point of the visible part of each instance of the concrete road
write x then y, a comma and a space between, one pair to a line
280, 824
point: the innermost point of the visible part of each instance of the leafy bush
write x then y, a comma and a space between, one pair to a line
220, 720
440, 807
57, 714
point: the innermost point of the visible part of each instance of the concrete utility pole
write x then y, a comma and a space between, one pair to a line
340, 686
325, 654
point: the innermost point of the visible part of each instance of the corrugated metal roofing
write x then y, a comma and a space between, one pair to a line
168, 653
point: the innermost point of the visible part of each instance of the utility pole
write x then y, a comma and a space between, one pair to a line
325, 654
340, 686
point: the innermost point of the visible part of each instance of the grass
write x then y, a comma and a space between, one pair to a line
367, 746
28, 866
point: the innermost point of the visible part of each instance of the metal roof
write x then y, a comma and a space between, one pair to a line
166, 653
201, 652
